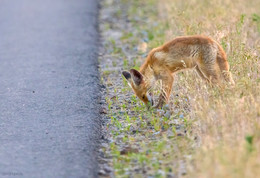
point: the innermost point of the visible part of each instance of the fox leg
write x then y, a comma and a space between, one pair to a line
211, 74
167, 81
209, 68
200, 73
224, 69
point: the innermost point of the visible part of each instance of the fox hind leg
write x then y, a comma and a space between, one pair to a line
198, 70
209, 72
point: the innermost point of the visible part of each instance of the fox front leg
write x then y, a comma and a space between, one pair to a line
161, 101
167, 81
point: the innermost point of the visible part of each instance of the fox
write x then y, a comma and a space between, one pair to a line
197, 52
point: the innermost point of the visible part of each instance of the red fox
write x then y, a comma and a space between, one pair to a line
202, 53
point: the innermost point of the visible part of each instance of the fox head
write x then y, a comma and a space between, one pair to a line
137, 82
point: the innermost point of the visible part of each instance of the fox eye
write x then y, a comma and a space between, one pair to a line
143, 96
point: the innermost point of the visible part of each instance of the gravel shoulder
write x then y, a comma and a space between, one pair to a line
137, 142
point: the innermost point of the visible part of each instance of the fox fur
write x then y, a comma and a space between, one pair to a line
202, 53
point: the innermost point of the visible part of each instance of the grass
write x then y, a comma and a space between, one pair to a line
227, 121
206, 131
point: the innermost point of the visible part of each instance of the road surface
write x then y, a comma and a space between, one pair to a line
49, 122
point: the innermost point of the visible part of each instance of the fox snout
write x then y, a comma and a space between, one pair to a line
150, 99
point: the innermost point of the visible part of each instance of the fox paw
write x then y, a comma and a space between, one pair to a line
159, 105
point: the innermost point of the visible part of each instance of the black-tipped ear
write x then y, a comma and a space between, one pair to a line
136, 76
127, 75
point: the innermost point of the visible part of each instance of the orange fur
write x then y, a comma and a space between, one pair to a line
199, 52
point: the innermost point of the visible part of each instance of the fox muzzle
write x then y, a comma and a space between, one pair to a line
150, 99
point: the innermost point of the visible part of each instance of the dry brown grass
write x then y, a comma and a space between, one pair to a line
226, 120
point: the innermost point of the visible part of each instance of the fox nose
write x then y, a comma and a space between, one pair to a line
150, 99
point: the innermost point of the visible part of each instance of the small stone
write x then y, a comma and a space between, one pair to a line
133, 129
103, 86
103, 111
108, 169
174, 122
121, 112
167, 114
119, 138
166, 107
128, 149
102, 172
170, 133
180, 134
171, 175
101, 102
156, 133
160, 112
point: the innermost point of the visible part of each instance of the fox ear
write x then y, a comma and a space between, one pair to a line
136, 76
127, 75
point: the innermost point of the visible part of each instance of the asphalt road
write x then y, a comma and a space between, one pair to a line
49, 122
